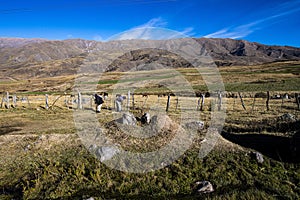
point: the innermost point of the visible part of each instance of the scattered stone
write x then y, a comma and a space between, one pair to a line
93, 148
27, 148
258, 156
197, 125
204, 187
288, 117
128, 119
145, 119
91, 198
106, 152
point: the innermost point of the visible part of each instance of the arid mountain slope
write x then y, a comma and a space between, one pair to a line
25, 58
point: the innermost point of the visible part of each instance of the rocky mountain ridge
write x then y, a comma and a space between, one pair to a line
38, 57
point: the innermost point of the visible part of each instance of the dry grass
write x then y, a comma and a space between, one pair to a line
42, 157
274, 77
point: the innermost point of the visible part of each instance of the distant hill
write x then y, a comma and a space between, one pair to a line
25, 58
17, 42
240, 52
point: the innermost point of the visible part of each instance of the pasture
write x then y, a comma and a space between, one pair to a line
41, 155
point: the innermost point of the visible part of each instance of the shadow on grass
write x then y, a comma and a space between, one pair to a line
283, 149
96, 193
11, 193
8, 129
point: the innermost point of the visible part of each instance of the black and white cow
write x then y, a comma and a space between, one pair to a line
98, 101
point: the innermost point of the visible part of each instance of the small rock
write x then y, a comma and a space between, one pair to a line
106, 152
204, 187
91, 198
258, 156
197, 125
288, 117
93, 148
27, 148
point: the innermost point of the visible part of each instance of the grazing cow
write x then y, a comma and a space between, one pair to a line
286, 96
276, 96
98, 101
145, 119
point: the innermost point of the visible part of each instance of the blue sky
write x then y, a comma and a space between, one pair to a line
273, 22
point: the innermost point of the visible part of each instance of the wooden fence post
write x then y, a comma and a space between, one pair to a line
168, 103
234, 99
47, 102
72, 101
7, 100
202, 102
219, 100
14, 101
66, 100
79, 100
268, 99
2, 101
253, 104
128, 100
242, 101
282, 101
28, 102
133, 101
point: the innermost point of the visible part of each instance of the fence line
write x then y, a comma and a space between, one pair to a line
143, 102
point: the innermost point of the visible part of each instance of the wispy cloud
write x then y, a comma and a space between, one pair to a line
70, 36
154, 29
240, 31
155, 22
98, 38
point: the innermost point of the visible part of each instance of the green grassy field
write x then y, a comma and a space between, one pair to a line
42, 157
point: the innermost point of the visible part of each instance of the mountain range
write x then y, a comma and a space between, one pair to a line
27, 58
